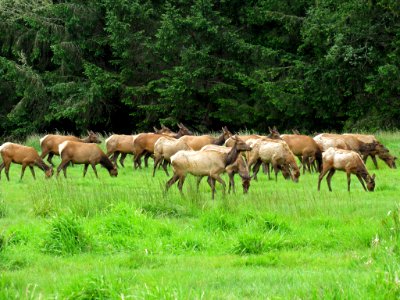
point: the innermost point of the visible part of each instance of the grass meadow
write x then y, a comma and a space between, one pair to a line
125, 238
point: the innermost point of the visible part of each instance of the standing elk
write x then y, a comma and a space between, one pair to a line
196, 142
144, 143
22, 155
118, 144
380, 150
348, 161
50, 143
238, 167
87, 154
204, 163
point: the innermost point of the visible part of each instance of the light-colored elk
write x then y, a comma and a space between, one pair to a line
348, 161
274, 152
204, 163
238, 167
50, 143
87, 154
22, 155
164, 148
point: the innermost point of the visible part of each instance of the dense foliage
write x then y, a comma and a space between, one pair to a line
123, 66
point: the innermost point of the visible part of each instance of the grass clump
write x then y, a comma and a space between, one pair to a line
249, 244
218, 220
96, 287
65, 236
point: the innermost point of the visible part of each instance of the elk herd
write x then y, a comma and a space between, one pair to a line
209, 156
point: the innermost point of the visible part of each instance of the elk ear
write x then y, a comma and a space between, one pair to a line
155, 129
179, 125
270, 129
275, 128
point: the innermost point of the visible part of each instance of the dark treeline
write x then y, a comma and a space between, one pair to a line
126, 65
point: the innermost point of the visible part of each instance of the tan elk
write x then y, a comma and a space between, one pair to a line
144, 143
204, 163
50, 143
380, 150
305, 148
164, 148
238, 167
118, 144
274, 152
22, 155
87, 154
348, 161
196, 142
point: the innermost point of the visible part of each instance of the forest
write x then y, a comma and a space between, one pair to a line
123, 66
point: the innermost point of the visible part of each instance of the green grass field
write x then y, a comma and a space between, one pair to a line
125, 238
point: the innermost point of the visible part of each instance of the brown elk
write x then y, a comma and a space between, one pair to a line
305, 148
87, 154
198, 142
275, 152
204, 163
144, 143
22, 155
348, 161
380, 150
50, 143
164, 148
118, 144
238, 167
229, 142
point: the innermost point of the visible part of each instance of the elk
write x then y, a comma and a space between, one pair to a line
229, 142
144, 143
348, 161
204, 163
275, 152
50, 143
87, 154
164, 148
198, 142
238, 167
346, 142
118, 144
380, 150
305, 148
22, 155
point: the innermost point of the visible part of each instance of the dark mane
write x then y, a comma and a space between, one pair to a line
106, 162
232, 155
219, 140
41, 164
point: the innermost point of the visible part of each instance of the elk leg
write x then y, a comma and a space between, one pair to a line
180, 183
63, 166
304, 163
122, 159
94, 169
85, 169
221, 181
276, 171
211, 183
362, 181
50, 157
256, 168
114, 158
146, 159
33, 172
348, 181
374, 161
365, 157
137, 160
171, 181
157, 160
1, 168
199, 178
329, 177
164, 165
22, 171
321, 176
7, 170
231, 183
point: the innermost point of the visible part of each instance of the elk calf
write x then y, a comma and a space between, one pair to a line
22, 155
348, 161
87, 154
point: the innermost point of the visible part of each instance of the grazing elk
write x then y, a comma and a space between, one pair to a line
164, 148
50, 143
144, 143
380, 150
199, 141
22, 155
306, 149
204, 163
238, 167
348, 161
87, 154
275, 152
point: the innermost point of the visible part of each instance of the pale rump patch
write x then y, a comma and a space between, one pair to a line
5, 146
62, 146
42, 139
